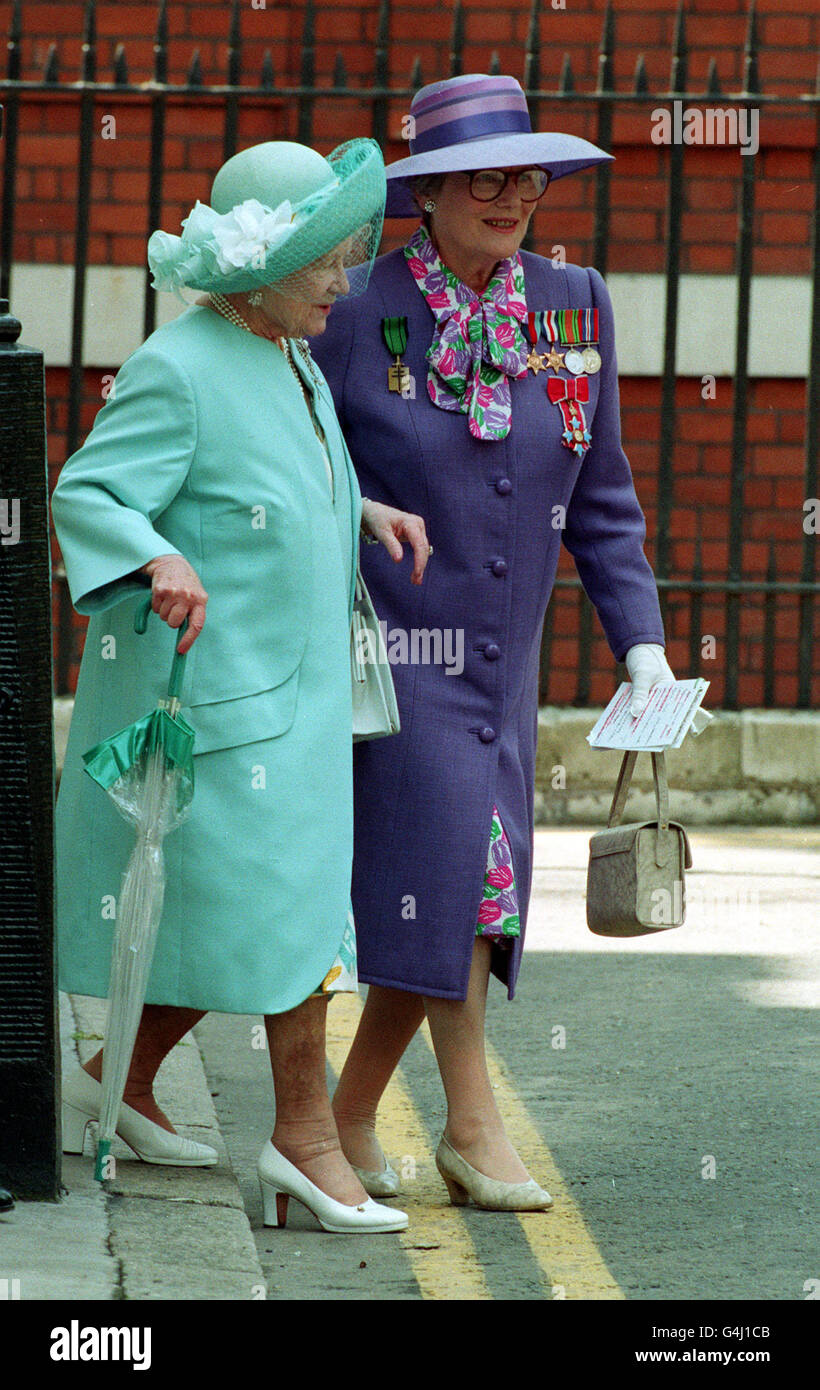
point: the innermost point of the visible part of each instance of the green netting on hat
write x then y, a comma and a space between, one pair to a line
269, 239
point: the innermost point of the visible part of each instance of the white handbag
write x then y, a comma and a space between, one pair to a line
375, 711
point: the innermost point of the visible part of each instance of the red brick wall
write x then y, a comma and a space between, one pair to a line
789, 32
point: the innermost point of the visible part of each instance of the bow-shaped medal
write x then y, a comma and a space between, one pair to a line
568, 395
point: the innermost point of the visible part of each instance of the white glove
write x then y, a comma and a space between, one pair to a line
646, 664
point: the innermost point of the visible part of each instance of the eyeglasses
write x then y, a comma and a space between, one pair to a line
488, 184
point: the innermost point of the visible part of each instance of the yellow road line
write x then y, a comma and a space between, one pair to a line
437, 1244
442, 1255
559, 1239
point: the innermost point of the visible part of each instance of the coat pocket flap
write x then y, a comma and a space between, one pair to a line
246, 719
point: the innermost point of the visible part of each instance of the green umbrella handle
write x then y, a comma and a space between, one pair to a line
178, 663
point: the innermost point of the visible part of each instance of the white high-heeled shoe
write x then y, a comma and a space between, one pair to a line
82, 1099
463, 1181
280, 1180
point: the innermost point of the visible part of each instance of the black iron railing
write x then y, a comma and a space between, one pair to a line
300, 104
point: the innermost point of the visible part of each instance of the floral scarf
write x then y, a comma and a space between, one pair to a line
478, 342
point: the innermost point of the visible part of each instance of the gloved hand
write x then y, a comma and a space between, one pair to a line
646, 664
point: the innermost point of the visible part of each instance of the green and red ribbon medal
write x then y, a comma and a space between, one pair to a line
394, 331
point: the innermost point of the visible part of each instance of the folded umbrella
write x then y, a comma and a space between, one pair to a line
148, 771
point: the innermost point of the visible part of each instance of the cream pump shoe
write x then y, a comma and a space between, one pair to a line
464, 1181
384, 1183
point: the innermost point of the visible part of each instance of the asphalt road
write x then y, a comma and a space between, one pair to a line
661, 1088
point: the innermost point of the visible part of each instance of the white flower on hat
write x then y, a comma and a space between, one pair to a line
248, 232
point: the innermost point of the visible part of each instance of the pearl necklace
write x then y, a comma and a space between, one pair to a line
224, 307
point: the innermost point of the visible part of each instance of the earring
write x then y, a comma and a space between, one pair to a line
255, 298
429, 205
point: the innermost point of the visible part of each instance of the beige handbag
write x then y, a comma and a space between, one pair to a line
375, 711
635, 880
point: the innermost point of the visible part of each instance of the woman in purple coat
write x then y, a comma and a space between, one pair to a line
476, 386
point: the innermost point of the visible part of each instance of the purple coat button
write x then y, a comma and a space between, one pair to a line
499, 568
492, 651
503, 486
486, 734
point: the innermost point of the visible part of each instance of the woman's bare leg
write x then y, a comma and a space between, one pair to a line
305, 1130
389, 1020
161, 1028
474, 1126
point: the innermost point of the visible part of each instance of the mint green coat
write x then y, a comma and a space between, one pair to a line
206, 448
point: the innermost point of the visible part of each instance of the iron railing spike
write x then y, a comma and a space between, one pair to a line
713, 81
266, 77
16, 23
89, 44
234, 34
51, 69
680, 53
605, 73
382, 51
194, 77
641, 78
120, 66
457, 41
751, 81
161, 33
160, 74
566, 82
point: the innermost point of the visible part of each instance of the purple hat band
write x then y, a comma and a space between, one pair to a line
476, 110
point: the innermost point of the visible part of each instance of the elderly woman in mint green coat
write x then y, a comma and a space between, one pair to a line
217, 474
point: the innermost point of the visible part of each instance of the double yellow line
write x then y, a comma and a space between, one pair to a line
437, 1243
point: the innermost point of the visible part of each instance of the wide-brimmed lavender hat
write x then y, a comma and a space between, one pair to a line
478, 122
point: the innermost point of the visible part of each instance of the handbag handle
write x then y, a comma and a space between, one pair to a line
663, 840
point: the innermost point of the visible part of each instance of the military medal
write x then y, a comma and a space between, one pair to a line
579, 329
569, 395
535, 360
395, 337
554, 359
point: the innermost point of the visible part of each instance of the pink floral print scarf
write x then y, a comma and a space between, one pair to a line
478, 341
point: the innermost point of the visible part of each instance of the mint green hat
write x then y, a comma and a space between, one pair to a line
275, 208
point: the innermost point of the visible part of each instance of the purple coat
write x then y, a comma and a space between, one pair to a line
424, 797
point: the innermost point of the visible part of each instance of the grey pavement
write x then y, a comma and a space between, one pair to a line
692, 1044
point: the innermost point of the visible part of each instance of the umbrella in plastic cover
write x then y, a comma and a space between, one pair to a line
148, 771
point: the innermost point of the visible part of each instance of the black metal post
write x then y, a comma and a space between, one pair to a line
808, 568
740, 408
674, 204
158, 102
30, 1141
10, 162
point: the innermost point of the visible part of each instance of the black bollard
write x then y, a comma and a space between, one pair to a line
30, 1143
